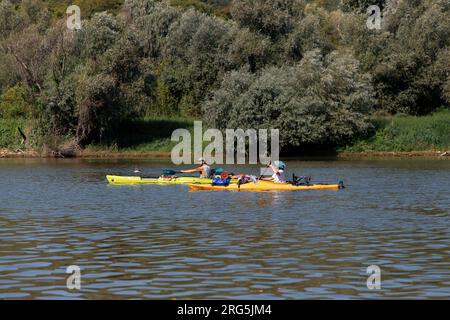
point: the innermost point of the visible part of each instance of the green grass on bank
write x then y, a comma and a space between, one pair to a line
9, 135
406, 133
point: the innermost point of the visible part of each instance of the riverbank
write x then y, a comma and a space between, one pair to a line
18, 153
392, 137
108, 154
393, 154
99, 154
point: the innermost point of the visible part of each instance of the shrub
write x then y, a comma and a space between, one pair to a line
9, 135
408, 133
321, 100
274, 18
403, 55
14, 103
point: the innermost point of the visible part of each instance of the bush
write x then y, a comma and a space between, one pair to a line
99, 108
56, 110
98, 35
361, 5
321, 100
426, 133
197, 49
273, 18
249, 49
314, 31
9, 135
14, 103
403, 56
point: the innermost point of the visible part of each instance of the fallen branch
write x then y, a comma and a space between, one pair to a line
24, 137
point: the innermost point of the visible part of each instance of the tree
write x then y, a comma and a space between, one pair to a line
249, 49
15, 103
196, 55
274, 18
98, 35
314, 31
35, 12
402, 55
217, 109
30, 51
138, 8
99, 107
321, 100
56, 110
361, 5
441, 72
152, 28
10, 20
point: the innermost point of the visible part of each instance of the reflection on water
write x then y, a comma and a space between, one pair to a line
164, 242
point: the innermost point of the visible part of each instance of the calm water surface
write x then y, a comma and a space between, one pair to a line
155, 242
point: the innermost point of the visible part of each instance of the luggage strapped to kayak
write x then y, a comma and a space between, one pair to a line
221, 182
216, 172
300, 181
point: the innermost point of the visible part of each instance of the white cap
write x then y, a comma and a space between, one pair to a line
201, 159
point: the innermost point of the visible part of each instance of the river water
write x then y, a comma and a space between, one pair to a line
163, 242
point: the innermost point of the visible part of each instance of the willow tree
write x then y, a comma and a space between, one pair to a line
320, 100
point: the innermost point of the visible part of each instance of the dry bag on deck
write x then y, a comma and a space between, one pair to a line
221, 182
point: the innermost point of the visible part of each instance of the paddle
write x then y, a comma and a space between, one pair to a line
166, 172
260, 177
170, 172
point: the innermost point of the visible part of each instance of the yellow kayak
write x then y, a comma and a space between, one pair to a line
264, 186
123, 180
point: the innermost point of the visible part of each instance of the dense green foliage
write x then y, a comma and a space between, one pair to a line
9, 135
320, 100
14, 103
408, 57
311, 68
88, 7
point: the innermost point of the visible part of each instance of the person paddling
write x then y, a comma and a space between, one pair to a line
204, 169
278, 168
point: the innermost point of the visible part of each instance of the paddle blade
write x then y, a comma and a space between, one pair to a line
168, 172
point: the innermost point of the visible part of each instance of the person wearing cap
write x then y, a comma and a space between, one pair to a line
278, 168
204, 169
